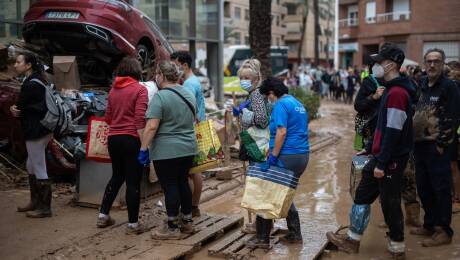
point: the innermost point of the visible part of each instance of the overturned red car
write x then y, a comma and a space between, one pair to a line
98, 32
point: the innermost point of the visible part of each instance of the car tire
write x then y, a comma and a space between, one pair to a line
143, 54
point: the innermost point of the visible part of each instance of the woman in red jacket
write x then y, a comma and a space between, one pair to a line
125, 115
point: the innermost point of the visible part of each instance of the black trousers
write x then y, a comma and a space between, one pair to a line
173, 177
123, 150
389, 188
434, 185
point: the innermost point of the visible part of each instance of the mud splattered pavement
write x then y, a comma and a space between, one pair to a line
322, 199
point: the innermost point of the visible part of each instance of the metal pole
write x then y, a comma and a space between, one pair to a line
336, 38
219, 91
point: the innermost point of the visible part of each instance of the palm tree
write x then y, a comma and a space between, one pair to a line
260, 33
305, 11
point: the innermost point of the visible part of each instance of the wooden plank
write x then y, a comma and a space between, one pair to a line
200, 219
237, 245
208, 222
225, 242
164, 252
246, 252
203, 235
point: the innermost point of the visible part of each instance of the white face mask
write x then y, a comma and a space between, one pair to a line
246, 84
378, 71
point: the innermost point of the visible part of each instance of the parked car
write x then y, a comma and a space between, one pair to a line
98, 32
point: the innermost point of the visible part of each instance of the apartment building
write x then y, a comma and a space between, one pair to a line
236, 22
296, 9
415, 25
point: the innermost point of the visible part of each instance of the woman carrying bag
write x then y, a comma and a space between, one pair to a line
126, 106
289, 148
169, 141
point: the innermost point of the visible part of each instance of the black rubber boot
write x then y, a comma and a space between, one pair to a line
33, 195
262, 237
294, 234
43, 209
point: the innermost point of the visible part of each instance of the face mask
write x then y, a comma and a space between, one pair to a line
246, 84
378, 71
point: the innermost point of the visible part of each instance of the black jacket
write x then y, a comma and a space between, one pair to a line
393, 136
437, 112
33, 108
365, 105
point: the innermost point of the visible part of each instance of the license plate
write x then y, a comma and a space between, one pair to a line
63, 15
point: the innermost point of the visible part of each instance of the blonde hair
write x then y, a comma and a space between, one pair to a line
253, 65
169, 70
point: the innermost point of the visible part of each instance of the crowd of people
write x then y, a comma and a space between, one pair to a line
407, 121
406, 124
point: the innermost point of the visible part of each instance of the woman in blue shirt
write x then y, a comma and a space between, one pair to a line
289, 148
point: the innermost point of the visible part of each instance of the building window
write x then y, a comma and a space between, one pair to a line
370, 12
352, 15
246, 40
291, 8
237, 13
277, 41
227, 12
277, 21
246, 14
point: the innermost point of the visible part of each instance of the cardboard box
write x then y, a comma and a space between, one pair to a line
66, 74
3, 57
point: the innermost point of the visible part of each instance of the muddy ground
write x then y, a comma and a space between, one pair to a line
322, 199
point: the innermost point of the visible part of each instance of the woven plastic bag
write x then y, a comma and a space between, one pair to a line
210, 152
97, 140
256, 142
269, 193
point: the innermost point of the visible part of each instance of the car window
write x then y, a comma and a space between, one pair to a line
158, 33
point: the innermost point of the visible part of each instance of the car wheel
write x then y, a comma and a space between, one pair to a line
143, 54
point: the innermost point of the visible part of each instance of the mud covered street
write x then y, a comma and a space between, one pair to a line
322, 199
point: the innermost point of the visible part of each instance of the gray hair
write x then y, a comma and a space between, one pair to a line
440, 51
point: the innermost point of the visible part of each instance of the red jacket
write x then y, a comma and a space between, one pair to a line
126, 107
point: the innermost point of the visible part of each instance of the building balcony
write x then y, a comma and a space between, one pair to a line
293, 18
348, 2
348, 28
293, 37
393, 17
348, 22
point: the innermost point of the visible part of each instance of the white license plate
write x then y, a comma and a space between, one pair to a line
63, 15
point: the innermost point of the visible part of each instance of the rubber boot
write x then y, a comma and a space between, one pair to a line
413, 214
294, 235
43, 209
33, 195
262, 237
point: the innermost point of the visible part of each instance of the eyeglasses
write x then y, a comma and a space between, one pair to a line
434, 62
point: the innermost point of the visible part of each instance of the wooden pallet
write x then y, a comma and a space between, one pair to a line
233, 245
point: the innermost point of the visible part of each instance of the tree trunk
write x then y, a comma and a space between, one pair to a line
317, 30
260, 33
303, 31
302, 39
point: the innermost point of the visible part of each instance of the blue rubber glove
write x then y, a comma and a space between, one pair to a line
143, 158
237, 110
271, 161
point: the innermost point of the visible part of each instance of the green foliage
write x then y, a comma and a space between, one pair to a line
310, 100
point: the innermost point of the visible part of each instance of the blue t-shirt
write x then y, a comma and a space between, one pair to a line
193, 85
289, 113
